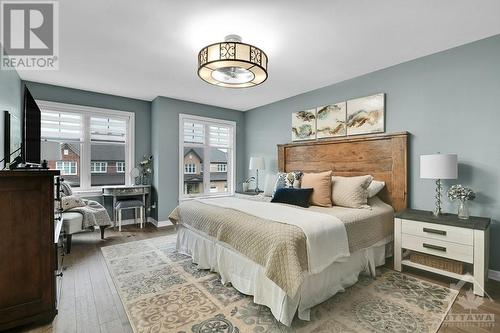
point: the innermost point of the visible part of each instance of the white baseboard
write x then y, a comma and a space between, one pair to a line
494, 275
160, 224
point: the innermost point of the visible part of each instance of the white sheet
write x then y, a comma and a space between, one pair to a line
249, 277
326, 236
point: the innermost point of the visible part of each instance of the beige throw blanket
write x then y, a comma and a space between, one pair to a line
280, 248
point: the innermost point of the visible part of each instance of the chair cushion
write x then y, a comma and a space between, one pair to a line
124, 204
72, 222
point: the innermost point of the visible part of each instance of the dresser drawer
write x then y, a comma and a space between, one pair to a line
446, 233
438, 247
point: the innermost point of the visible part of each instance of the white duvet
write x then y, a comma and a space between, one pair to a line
326, 236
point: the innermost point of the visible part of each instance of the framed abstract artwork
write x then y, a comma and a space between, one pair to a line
304, 125
366, 115
331, 120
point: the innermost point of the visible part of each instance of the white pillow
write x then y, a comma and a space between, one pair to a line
351, 192
269, 184
71, 201
375, 187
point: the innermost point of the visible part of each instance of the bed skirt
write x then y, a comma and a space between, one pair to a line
248, 277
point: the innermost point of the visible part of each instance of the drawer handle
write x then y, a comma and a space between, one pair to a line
434, 247
435, 231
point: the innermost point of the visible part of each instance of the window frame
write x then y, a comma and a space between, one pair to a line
187, 169
205, 167
120, 169
85, 157
103, 167
69, 165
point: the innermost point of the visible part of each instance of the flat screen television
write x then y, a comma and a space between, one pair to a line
31, 129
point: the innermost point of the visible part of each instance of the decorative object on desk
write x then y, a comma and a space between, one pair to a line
365, 115
438, 166
304, 125
135, 174
146, 168
330, 120
463, 195
257, 163
246, 183
49, 151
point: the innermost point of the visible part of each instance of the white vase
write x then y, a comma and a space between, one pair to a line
245, 187
463, 209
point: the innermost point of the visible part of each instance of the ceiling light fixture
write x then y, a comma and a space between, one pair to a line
232, 64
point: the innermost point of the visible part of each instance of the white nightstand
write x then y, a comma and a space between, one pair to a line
445, 236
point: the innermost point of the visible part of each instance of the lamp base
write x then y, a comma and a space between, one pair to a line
437, 210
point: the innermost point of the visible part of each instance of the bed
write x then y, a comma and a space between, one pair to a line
314, 252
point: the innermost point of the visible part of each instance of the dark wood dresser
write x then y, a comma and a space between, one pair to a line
28, 259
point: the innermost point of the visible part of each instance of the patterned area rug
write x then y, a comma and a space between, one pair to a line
163, 291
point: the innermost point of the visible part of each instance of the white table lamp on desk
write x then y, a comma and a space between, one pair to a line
439, 166
257, 163
49, 151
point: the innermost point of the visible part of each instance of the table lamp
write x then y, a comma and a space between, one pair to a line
438, 166
49, 151
257, 163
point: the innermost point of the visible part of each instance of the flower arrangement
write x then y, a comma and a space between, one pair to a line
146, 166
461, 192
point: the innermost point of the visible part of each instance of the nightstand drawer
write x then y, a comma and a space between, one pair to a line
437, 247
462, 236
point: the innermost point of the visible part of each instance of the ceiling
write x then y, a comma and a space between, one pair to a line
145, 49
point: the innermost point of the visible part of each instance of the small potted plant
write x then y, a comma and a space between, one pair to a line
463, 195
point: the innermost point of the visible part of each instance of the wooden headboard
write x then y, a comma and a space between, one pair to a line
384, 156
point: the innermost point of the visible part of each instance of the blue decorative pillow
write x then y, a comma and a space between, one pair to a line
289, 180
293, 196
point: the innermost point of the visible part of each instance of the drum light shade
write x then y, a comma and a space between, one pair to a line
232, 64
257, 163
439, 166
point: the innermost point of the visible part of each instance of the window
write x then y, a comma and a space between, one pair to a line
98, 167
91, 140
190, 168
67, 168
120, 167
206, 149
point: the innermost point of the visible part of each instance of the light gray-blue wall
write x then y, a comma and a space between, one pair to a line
449, 102
10, 100
165, 146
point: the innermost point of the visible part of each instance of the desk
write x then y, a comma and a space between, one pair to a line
121, 191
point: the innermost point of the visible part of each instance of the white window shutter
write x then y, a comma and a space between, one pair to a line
61, 126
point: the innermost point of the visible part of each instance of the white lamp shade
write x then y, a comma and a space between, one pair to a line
439, 166
257, 163
50, 151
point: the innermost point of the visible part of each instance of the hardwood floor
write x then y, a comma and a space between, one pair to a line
89, 301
